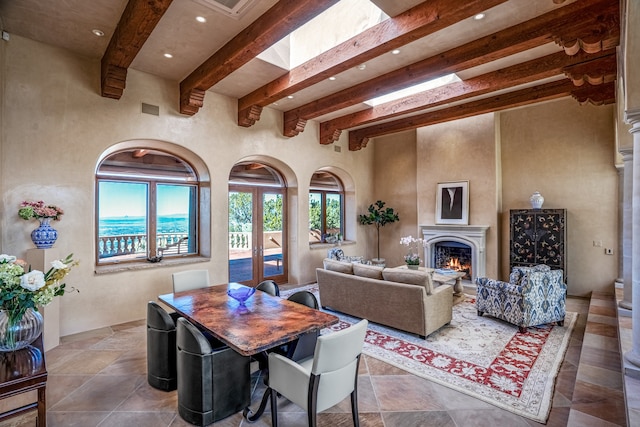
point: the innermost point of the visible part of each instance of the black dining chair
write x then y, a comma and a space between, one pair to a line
305, 345
270, 287
213, 380
161, 348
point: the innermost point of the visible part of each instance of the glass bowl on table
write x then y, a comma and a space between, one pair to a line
241, 293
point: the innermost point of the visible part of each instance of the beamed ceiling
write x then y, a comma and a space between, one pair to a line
523, 52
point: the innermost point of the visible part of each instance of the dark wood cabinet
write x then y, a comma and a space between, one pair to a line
538, 236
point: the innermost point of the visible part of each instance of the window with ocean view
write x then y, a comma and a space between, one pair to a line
147, 207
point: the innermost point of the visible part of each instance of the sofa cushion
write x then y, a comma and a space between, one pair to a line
338, 266
370, 271
411, 277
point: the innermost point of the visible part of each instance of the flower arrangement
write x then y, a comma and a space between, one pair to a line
413, 257
38, 210
21, 289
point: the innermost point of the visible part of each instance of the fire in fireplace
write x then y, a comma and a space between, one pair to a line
454, 256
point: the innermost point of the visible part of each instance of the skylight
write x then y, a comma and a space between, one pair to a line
412, 90
339, 23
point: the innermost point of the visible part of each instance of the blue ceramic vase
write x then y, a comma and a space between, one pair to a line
44, 236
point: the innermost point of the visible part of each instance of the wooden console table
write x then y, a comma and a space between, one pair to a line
22, 371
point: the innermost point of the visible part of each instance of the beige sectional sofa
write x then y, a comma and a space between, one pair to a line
399, 298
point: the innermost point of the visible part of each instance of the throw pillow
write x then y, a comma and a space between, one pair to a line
411, 277
338, 266
370, 271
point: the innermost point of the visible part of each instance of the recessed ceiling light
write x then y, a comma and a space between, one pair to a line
362, 67
98, 33
395, 51
290, 96
332, 78
201, 19
479, 16
168, 55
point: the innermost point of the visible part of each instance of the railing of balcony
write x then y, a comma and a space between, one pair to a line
240, 240
131, 244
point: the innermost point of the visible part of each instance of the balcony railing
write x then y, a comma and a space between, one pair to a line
174, 243
131, 244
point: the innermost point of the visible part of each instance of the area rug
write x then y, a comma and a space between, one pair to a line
482, 357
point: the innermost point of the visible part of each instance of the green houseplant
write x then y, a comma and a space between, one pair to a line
378, 216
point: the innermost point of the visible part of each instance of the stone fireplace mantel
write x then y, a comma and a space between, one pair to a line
473, 235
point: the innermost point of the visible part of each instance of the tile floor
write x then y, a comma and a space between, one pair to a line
98, 378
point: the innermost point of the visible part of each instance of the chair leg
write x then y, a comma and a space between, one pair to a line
522, 329
480, 313
354, 408
311, 418
274, 408
561, 322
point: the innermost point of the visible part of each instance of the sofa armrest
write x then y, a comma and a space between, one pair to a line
438, 308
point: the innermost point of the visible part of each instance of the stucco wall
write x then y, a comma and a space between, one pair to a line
55, 127
566, 152
461, 150
395, 184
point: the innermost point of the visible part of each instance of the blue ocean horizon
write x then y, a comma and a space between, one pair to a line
126, 225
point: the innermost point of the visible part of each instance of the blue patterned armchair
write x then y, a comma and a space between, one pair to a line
534, 296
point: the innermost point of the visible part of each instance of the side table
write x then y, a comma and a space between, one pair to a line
22, 371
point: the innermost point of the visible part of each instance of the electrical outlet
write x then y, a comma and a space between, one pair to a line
608, 251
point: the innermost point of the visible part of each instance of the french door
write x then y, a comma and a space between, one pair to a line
256, 235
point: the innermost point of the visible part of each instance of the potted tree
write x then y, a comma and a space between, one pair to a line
379, 216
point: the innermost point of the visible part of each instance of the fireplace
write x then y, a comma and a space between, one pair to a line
453, 256
464, 242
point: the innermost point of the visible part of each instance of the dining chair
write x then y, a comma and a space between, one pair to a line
214, 381
270, 287
305, 345
320, 382
161, 348
190, 279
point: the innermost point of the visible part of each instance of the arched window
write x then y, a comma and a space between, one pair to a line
147, 207
326, 208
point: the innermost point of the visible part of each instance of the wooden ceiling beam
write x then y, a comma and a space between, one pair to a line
518, 38
509, 77
284, 17
138, 20
358, 138
417, 22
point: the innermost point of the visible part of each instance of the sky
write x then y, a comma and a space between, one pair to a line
118, 199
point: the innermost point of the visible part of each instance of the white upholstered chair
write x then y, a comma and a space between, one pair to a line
190, 279
321, 381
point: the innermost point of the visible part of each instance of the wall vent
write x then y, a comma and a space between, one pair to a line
233, 8
150, 109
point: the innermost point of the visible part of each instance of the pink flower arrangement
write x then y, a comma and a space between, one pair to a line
38, 210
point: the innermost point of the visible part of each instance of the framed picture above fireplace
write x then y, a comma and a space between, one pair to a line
452, 203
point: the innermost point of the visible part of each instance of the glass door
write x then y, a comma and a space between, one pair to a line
272, 221
256, 235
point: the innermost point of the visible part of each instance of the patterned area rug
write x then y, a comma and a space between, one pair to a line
483, 357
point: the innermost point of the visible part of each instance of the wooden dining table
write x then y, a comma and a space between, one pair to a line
262, 323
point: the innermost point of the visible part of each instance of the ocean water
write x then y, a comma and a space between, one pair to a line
118, 226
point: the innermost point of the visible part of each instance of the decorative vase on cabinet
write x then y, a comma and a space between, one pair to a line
536, 200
